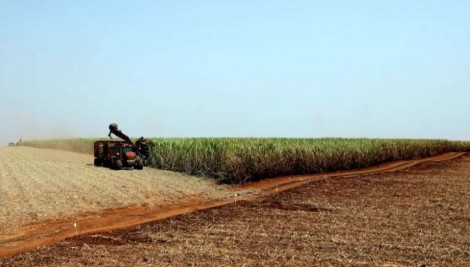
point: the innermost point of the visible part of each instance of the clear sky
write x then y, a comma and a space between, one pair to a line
248, 68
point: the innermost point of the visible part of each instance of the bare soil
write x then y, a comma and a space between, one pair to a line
415, 217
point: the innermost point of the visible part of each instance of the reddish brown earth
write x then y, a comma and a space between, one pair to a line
349, 199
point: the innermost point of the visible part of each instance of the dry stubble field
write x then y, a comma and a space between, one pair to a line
38, 184
415, 217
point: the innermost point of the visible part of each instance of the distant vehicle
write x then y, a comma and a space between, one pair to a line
11, 144
117, 154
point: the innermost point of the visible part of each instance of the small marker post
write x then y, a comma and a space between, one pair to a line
76, 228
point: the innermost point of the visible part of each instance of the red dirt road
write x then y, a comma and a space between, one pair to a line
52, 231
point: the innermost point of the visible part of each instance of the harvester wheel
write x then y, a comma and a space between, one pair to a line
139, 165
98, 162
117, 165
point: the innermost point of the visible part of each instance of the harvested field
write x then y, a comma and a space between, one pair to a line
38, 184
418, 216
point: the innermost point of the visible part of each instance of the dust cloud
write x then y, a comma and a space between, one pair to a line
27, 127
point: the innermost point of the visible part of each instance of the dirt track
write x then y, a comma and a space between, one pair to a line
54, 190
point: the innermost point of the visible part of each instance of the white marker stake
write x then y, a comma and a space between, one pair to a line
76, 229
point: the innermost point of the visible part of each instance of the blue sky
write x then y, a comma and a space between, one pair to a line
391, 69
